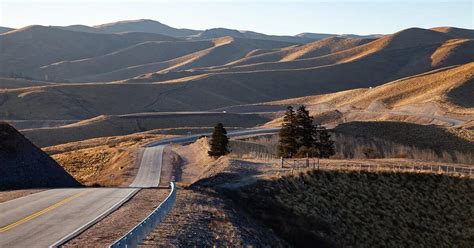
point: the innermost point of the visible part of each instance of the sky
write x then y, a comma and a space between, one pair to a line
266, 16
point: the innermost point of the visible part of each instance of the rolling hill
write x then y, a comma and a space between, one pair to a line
456, 32
220, 32
203, 75
25, 50
156, 56
145, 26
448, 88
5, 29
103, 126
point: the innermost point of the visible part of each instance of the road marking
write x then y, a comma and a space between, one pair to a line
37, 214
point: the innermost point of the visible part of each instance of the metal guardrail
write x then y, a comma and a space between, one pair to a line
140, 231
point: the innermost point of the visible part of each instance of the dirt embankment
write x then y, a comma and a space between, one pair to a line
23, 165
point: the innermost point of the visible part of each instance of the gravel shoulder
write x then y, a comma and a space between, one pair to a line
120, 221
203, 218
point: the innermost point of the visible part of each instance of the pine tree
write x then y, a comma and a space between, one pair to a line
288, 145
304, 131
219, 142
323, 143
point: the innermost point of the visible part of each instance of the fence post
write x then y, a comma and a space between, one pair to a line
307, 162
281, 162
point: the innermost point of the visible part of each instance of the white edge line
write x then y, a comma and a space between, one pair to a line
94, 221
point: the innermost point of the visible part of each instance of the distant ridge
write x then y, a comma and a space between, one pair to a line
456, 32
220, 32
25, 50
23, 165
319, 36
144, 25
5, 29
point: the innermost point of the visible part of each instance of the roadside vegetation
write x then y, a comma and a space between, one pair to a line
219, 143
300, 137
109, 161
349, 209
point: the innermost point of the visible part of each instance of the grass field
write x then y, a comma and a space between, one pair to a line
349, 209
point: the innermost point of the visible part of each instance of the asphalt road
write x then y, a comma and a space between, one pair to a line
150, 168
50, 217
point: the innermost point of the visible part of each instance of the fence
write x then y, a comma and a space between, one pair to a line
439, 169
140, 231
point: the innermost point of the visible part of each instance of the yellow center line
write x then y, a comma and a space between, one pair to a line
37, 214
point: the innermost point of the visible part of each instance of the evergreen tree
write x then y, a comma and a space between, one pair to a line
323, 143
288, 145
304, 131
219, 142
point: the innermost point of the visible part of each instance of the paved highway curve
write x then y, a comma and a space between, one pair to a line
51, 217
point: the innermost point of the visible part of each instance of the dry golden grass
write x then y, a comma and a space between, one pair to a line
351, 209
24, 54
402, 54
425, 137
109, 161
439, 92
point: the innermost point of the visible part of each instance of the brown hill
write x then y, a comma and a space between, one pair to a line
126, 124
5, 29
14, 83
402, 54
155, 56
25, 50
448, 88
405, 53
320, 36
221, 32
23, 165
408, 51
420, 136
313, 49
145, 26
456, 32
143, 53
80, 28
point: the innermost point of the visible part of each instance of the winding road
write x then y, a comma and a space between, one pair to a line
52, 217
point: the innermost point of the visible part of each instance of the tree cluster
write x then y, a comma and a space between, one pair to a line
299, 137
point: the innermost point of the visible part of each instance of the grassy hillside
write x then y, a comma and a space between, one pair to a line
139, 54
126, 124
349, 209
25, 50
425, 137
108, 161
434, 92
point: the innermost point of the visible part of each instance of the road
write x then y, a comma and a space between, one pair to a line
50, 217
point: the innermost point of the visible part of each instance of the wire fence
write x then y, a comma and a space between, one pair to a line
314, 163
140, 231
